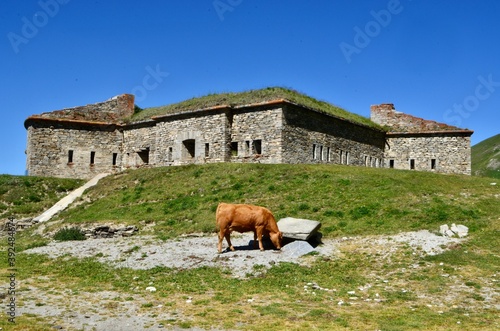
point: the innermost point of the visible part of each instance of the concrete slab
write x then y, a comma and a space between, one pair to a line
297, 228
297, 248
67, 200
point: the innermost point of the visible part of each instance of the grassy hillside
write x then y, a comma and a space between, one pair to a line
416, 292
347, 200
486, 157
22, 196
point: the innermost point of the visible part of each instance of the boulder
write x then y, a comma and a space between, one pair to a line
297, 248
296, 228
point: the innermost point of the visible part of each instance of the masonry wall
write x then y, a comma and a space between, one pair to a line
438, 152
313, 137
192, 139
72, 152
256, 135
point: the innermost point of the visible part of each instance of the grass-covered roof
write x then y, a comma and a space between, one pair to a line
252, 97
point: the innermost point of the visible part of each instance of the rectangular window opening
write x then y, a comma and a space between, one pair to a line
257, 146
92, 158
234, 148
433, 164
391, 164
207, 149
70, 156
412, 164
115, 157
328, 154
169, 154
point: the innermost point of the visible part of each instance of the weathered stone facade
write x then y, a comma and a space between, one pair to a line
77, 144
417, 144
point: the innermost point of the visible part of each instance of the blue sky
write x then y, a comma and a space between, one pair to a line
433, 59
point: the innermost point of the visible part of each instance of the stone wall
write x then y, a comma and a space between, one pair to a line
256, 135
313, 137
57, 150
417, 144
443, 152
60, 144
196, 138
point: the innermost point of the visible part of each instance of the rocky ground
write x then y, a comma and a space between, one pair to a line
88, 311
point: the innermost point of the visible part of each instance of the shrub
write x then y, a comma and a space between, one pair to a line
67, 234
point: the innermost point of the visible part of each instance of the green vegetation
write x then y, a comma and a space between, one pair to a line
347, 200
22, 196
403, 292
250, 97
486, 157
69, 233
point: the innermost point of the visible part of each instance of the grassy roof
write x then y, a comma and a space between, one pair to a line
251, 97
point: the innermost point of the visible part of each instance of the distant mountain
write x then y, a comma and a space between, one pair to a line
486, 157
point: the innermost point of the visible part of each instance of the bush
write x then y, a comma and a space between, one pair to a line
67, 234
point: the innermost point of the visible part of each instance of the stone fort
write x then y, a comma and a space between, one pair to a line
112, 136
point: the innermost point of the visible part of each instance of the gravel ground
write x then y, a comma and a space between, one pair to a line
89, 311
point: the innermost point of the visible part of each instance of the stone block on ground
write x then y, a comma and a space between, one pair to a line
297, 248
296, 228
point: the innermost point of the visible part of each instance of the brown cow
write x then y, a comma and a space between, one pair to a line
244, 218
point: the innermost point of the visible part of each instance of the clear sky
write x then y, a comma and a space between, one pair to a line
438, 60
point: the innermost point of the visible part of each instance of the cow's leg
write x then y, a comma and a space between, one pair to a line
221, 237
228, 239
259, 237
254, 239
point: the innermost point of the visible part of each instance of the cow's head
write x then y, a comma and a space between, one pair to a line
276, 238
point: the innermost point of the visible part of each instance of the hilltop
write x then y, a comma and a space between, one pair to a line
486, 157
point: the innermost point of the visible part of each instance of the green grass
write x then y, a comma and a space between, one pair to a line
23, 196
486, 157
348, 201
250, 97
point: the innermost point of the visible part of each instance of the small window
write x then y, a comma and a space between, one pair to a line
341, 157
433, 164
169, 154
321, 157
328, 154
70, 156
412, 164
207, 149
92, 158
257, 146
115, 157
391, 164
346, 157
234, 148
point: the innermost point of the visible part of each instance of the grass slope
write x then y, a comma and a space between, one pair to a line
486, 157
22, 196
415, 292
249, 97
